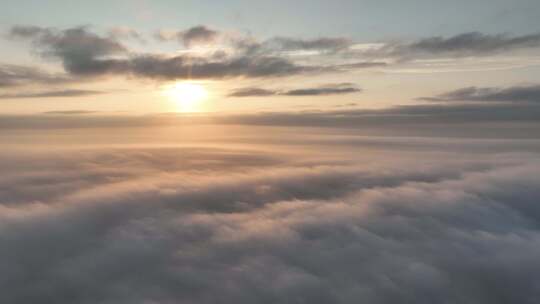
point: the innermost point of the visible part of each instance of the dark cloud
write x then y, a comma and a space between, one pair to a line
341, 88
70, 112
46, 94
15, 75
466, 44
475, 43
331, 89
27, 31
361, 65
186, 67
252, 92
198, 35
81, 52
510, 94
461, 45
86, 54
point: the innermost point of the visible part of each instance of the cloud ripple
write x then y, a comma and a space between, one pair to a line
134, 225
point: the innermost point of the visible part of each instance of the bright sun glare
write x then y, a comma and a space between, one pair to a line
187, 95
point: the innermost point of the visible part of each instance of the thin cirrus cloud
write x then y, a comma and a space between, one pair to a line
292, 44
475, 43
460, 45
332, 89
46, 94
469, 43
509, 94
124, 32
70, 112
202, 34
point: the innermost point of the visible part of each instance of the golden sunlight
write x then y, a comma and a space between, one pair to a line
186, 95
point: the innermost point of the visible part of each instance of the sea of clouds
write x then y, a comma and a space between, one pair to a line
267, 215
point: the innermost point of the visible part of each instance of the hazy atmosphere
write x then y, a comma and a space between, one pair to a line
270, 152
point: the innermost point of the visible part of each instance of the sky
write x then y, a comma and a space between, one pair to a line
159, 152
384, 53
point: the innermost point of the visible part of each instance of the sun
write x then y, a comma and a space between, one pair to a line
186, 95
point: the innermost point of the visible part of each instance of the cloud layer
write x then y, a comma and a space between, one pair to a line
127, 224
436, 119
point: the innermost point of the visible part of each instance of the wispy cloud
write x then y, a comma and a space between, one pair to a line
17, 75
125, 32
474, 43
70, 112
47, 94
509, 94
471, 44
330, 89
